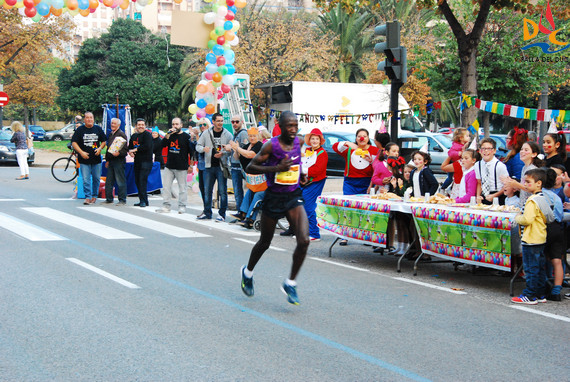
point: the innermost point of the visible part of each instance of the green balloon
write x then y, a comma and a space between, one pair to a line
220, 31
223, 70
211, 44
36, 18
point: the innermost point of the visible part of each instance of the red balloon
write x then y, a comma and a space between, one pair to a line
221, 61
229, 3
11, 2
30, 12
221, 40
29, 3
230, 16
225, 88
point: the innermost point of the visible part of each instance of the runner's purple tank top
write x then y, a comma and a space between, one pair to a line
280, 184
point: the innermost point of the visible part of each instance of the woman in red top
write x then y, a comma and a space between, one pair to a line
314, 164
358, 156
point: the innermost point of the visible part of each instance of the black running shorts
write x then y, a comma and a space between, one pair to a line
276, 204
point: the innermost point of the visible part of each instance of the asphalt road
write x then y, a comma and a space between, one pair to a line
119, 297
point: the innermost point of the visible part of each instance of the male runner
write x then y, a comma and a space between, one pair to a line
280, 160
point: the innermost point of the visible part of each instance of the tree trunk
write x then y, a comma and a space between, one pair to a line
486, 118
468, 57
26, 116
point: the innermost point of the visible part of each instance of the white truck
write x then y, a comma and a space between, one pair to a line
339, 107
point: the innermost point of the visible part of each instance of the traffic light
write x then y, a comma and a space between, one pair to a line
395, 64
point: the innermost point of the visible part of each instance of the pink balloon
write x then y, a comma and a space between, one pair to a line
208, 76
225, 88
200, 114
221, 60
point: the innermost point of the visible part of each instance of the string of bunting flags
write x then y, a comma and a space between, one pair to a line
546, 115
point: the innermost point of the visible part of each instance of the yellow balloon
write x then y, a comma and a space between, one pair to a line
177, 1
235, 25
6, 6
19, 4
213, 35
240, 3
192, 109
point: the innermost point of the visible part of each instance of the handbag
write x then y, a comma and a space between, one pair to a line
256, 182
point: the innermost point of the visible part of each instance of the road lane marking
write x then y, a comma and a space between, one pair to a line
27, 230
103, 273
545, 314
12, 200
265, 317
429, 285
154, 225
231, 228
61, 199
394, 278
85, 225
253, 242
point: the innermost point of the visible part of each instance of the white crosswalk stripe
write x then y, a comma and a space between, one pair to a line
27, 230
231, 228
82, 224
154, 225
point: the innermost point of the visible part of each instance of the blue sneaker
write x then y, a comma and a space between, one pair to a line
291, 292
246, 283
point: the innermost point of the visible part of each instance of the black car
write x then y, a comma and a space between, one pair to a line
8, 149
336, 163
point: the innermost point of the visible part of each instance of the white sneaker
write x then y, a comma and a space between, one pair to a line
314, 238
182, 210
163, 210
220, 219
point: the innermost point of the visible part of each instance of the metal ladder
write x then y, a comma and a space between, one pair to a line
239, 101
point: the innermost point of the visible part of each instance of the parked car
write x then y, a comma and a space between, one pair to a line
445, 130
65, 133
501, 140
8, 149
38, 132
567, 135
438, 146
336, 164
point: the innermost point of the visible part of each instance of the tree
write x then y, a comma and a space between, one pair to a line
352, 39
129, 61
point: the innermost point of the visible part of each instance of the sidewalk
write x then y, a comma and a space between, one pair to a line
45, 158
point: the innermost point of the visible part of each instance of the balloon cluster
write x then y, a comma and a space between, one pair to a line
219, 68
36, 9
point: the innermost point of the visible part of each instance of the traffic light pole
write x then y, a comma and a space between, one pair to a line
394, 120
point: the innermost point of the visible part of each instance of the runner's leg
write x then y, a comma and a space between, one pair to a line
298, 219
267, 230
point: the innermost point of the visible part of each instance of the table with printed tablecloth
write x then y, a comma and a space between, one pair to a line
457, 233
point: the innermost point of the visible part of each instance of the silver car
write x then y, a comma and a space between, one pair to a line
65, 133
438, 146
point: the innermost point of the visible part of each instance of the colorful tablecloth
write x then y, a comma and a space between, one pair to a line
477, 237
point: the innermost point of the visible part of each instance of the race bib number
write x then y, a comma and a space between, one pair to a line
288, 178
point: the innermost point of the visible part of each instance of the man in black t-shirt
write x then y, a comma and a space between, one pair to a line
88, 141
180, 150
140, 147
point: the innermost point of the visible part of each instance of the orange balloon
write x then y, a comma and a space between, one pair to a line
93, 4
201, 88
124, 4
84, 12
210, 109
72, 5
36, 2
177, 1
229, 35
108, 3
240, 4
56, 12
210, 87
216, 77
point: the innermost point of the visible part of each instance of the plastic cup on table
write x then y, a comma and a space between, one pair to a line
473, 201
372, 191
427, 197
495, 201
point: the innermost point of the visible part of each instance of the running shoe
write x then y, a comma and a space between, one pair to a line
182, 210
541, 299
163, 210
291, 292
246, 283
315, 238
567, 295
203, 217
522, 299
220, 219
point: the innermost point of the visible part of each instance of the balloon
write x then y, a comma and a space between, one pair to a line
211, 58
223, 70
42, 8
10, 2
201, 88
201, 104
20, 7
219, 22
220, 61
227, 46
124, 4
228, 25
83, 4
233, 9
208, 76
229, 55
220, 93
216, 77
91, 10
210, 90
221, 40
177, 1
109, 3
72, 5
229, 80
216, 85
222, 10
218, 50
84, 12
236, 26
36, 18
194, 118
30, 12
212, 68
220, 31
200, 114
229, 3
231, 69
57, 4
230, 15
226, 88
240, 3
93, 4
192, 109
29, 4
210, 109
235, 41
55, 12
213, 35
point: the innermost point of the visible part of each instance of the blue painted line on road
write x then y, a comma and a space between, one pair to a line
333, 344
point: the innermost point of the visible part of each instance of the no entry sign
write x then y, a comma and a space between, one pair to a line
4, 99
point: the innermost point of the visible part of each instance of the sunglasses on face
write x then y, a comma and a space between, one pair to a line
235, 121
202, 124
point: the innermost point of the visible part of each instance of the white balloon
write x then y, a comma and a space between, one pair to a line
203, 82
235, 41
209, 17
222, 11
220, 22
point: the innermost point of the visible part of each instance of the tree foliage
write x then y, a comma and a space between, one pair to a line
130, 61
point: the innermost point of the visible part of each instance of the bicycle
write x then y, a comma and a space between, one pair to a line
65, 169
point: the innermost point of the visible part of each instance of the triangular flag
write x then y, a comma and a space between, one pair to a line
552, 129
424, 148
473, 144
382, 128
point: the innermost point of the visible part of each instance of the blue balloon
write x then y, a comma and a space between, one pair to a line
42, 9
83, 4
201, 103
228, 25
233, 8
218, 50
231, 69
229, 55
211, 58
212, 68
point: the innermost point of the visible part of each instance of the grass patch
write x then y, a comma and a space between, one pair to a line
60, 147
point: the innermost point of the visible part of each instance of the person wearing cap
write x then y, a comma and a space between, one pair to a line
314, 164
256, 184
157, 147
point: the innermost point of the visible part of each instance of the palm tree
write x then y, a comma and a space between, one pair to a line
190, 72
353, 39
